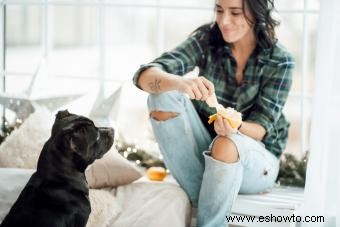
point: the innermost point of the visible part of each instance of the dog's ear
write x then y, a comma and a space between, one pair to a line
72, 142
62, 114
75, 146
72, 145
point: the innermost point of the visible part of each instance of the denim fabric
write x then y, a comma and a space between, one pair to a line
211, 185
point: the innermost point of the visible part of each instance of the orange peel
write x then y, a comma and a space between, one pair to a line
233, 117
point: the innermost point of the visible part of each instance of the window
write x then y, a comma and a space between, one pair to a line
103, 42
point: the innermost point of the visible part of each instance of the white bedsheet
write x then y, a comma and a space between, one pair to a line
147, 203
12, 181
143, 203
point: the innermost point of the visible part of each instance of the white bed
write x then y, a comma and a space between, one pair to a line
152, 204
138, 204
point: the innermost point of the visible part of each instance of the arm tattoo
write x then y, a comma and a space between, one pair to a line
155, 86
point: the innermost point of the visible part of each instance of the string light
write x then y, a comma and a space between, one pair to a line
7, 127
137, 153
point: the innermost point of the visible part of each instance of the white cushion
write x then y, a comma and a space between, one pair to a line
22, 147
111, 171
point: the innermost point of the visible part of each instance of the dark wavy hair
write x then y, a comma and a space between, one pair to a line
263, 22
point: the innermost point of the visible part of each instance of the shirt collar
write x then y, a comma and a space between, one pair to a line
261, 53
227, 49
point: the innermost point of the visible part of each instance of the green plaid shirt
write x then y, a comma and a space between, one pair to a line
261, 95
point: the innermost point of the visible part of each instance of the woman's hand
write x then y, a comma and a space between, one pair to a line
222, 127
198, 88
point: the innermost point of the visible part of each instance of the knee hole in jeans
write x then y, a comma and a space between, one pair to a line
162, 115
225, 150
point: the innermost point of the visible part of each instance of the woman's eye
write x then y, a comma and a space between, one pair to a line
236, 13
219, 11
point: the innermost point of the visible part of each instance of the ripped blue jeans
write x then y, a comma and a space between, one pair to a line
211, 185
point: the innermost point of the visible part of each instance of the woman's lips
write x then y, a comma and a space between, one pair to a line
227, 30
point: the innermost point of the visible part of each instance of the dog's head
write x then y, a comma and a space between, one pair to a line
78, 138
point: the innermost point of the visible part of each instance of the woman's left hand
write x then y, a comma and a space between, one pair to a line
222, 127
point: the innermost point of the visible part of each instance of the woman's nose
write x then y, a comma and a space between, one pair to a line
225, 19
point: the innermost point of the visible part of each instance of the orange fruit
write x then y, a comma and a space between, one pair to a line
156, 173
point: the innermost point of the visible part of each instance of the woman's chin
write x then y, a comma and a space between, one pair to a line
229, 38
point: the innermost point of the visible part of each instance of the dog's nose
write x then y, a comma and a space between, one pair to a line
109, 131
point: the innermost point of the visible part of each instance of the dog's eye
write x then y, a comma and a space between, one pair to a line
81, 130
98, 137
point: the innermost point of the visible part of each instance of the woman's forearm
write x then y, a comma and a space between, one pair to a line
154, 80
253, 130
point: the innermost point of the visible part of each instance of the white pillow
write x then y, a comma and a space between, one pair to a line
22, 147
111, 171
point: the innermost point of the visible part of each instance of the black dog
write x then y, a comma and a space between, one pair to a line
57, 193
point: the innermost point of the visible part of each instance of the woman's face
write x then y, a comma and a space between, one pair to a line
231, 20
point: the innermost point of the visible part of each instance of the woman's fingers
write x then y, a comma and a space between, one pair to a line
198, 88
197, 92
204, 90
205, 87
186, 86
208, 84
228, 127
219, 126
191, 94
222, 126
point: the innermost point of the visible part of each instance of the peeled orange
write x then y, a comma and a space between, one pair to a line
233, 117
156, 173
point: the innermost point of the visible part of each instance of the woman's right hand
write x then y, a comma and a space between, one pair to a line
222, 127
198, 88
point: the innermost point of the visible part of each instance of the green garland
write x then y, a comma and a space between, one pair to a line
293, 171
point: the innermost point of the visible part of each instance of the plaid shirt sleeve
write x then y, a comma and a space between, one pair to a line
180, 60
273, 95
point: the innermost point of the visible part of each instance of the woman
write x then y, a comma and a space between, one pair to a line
241, 61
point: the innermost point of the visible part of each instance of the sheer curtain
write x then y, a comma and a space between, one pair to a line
322, 191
